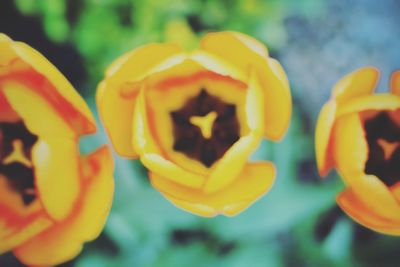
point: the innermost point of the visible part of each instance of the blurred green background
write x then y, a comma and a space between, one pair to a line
298, 223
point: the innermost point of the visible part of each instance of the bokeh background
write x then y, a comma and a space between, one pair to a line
298, 223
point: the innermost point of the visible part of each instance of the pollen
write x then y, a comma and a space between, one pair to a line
205, 123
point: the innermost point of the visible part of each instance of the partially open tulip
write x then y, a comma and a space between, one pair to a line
194, 118
358, 134
52, 199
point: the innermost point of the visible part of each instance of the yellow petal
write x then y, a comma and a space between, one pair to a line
255, 180
150, 153
178, 69
395, 83
15, 233
40, 118
370, 102
97, 169
241, 51
57, 175
218, 65
116, 94
4, 38
10, 62
375, 195
357, 210
358, 83
63, 91
198, 209
134, 65
7, 56
157, 164
323, 140
231, 164
350, 145
229, 167
251, 43
64, 240
278, 103
351, 152
255, 105
237, 48
116, 113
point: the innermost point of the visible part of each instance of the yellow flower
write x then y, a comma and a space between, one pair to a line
194, 118
52, 199
358, 133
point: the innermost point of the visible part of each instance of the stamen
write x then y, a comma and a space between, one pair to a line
17, 155
205, 123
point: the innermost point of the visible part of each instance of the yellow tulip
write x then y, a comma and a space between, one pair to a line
52, 198
358, 134
194, 118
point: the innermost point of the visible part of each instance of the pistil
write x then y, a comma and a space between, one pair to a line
17, 155
388, 147
205, 123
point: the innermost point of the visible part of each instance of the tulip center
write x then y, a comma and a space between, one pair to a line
205, 128
15, 159
383, 137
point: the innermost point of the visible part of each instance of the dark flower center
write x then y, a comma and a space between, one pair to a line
15, 159
205, 128
383, 137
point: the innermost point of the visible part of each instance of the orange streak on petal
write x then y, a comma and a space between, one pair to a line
16, 229
60, 86
45, 89
182, 80
7, 113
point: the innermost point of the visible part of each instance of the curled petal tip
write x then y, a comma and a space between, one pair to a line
360, 82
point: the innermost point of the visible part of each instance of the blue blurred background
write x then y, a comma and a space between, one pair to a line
298, 223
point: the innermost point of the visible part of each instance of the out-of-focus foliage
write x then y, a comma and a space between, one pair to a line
297, 223
101, 30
